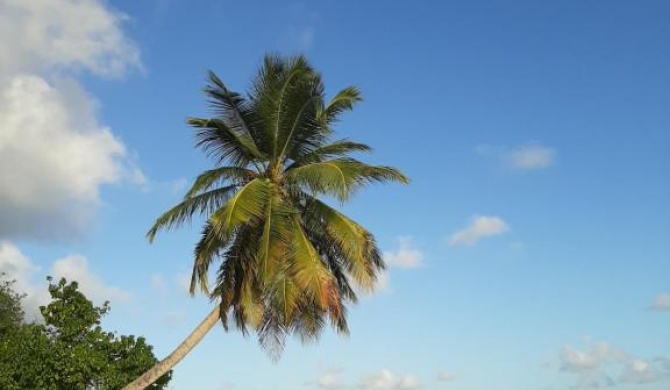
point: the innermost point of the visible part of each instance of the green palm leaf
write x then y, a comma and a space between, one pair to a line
343, 101
340, 177
224, 143
204, 203
246, 205
222, 175
307, 267
350, 244
334, 149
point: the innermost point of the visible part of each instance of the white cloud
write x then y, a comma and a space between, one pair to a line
445, 377
382, 284
183, 280
158, 284
595, 364
175, 317
18, 267
330, 380
227, 385
597, 354
386, 380
137, 177
75, 268
480, 227
302, 27
46, 35
54, 154
177, 186
661, 302
406, 256
589, 364
53, 159
31, 280
530, 156
639, 371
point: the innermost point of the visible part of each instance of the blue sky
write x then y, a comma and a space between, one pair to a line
531, 250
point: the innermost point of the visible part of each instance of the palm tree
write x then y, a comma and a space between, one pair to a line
287, 262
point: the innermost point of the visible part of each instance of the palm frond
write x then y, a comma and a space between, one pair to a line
295, 95
219, 140
352, 245
250, 304
247, 204
280, 89
333, 255
333, 149
298, 127
309, 322
205, 203
237, 260
340, 177
229, 105
272, 334
341, 102
208, 247
273, 241
307, 267
230, 174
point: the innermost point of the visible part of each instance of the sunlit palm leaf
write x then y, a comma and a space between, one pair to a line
274, 239
217, 176
204, 204
307, 266
340, 177
343, 101
334, 149
247, 204
351, 244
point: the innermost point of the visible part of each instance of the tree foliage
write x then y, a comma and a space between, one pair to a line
11, 314
287, 261
70, 350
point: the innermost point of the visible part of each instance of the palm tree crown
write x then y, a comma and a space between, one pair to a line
287, 261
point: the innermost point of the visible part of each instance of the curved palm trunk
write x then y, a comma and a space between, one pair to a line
165, 365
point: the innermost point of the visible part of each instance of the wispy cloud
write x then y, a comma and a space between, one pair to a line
640, 371
175, 317
387, 380
405, 256
599, 364
301, 30
529, 156
445, 377
183, 280
479, 228
661, 302
158, 284
592, 358
329, 379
